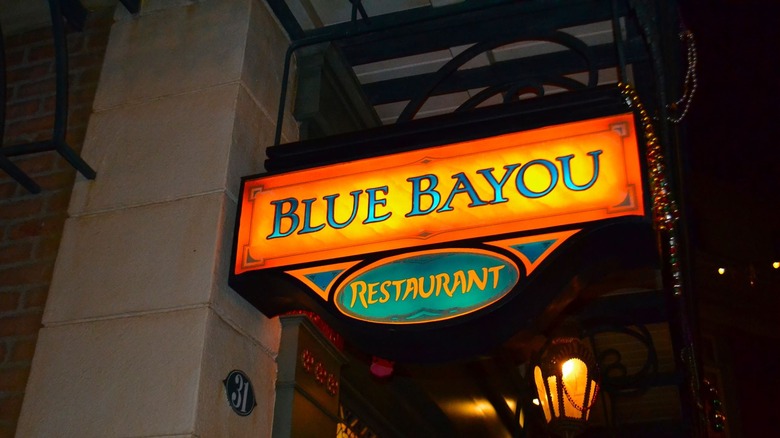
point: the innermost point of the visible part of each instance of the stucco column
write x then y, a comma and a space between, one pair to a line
140, 327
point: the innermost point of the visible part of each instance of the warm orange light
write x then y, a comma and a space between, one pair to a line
540, 385
566, 383
515, 182
512, 404
575, 379
721, 271
568, 368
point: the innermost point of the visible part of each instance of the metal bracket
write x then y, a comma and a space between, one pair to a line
76, 14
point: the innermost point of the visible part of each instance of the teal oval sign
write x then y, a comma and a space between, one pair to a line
426, 286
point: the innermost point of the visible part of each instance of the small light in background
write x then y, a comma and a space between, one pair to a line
381, 368
721, 271
776, 265
536, 401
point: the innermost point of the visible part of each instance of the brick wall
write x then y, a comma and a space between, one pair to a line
31, 225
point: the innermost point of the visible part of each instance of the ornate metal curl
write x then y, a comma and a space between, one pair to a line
512, 91
615, 377
455, 63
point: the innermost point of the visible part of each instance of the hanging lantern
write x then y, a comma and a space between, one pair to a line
565, 380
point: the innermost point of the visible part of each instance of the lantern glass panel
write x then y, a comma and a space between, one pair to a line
542, 393
552, 381
575, 381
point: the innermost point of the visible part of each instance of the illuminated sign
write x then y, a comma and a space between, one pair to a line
426, 286
547, 177
432, 285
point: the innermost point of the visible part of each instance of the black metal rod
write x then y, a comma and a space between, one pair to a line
19, 175
362, 11
357, 7
61, 98
61, 65
617, 35
29, 148
283, 93
5, 164
76, 161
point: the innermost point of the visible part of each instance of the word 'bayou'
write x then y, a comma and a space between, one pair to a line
427, 196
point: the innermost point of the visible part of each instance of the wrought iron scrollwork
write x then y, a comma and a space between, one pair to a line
616, 377
511, 92
508, 89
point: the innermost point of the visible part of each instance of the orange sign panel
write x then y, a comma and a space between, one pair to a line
552, 176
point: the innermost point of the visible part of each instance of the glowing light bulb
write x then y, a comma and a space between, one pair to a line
567, 367
776, 265
721, 271
535, 401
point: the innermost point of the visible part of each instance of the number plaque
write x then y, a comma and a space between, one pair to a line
239, 392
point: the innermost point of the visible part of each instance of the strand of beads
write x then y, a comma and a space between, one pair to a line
690, 83
665, 216
665, 211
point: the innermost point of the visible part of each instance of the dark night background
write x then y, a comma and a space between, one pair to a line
733, 193
733, 128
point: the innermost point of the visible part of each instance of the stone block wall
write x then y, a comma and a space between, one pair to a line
31, 224
140, 328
